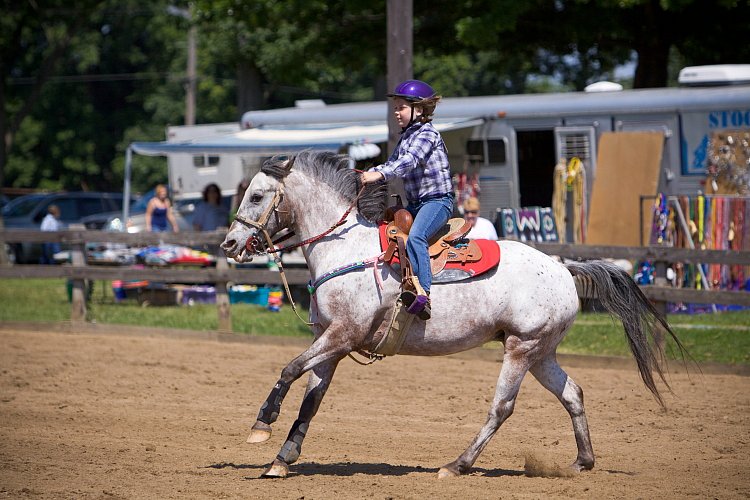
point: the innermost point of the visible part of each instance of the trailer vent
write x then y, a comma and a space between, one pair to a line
495, 194
576, 145
576, 142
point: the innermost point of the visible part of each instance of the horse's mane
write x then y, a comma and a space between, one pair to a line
333, 169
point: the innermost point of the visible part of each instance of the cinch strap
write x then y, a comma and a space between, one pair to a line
313, 286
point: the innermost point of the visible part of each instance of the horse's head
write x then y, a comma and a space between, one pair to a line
258, 218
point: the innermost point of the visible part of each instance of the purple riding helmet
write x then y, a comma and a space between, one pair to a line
413, 91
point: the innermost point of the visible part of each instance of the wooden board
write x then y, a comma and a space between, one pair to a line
628, 166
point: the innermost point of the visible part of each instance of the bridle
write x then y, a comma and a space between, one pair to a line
255, 245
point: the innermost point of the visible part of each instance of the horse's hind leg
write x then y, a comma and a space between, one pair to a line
554, 378
512, 373
317, 385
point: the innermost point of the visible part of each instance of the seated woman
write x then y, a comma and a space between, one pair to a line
210, 214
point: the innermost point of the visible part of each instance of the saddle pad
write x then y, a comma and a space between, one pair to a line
455, 271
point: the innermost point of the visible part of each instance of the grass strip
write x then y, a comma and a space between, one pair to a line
720, 338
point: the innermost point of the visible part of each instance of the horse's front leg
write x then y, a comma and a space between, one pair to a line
317, 385
333, 344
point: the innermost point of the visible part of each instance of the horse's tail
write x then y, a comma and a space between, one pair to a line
622, 298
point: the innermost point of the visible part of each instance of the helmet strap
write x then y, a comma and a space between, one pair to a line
411, 118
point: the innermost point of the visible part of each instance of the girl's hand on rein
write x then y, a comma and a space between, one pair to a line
368, 177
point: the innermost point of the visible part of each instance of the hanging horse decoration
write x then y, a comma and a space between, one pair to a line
360, 299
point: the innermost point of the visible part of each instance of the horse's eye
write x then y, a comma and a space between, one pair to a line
256, 198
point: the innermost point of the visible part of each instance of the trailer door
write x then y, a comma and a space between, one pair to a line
491, 150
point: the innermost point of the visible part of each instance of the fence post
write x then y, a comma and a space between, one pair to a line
660, 279
222, 297
78, 293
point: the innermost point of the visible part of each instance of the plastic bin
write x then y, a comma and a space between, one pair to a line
199, 295
157, 296
247, 294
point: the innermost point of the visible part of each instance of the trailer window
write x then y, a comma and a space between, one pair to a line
205, 161
475, 151
496, 151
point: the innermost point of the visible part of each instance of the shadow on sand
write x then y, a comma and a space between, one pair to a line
344, 469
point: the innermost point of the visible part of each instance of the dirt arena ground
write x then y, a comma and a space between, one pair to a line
109, 415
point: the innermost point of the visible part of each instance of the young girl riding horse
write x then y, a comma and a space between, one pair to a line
421, 160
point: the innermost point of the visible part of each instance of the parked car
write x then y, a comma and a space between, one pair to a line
101, 221
136, 219
183, 211
27, 212
137, 223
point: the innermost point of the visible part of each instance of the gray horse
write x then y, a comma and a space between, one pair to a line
529, 302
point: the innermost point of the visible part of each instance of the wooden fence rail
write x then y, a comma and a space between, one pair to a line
661, 256
78, 270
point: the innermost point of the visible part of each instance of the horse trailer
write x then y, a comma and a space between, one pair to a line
520, 138
189, 173
510, 143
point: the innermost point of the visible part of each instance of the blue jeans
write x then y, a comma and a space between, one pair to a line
48, 253
429, 217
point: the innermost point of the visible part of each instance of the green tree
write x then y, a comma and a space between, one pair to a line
80, 81
81, 78
33, 42
282, 51
581, 41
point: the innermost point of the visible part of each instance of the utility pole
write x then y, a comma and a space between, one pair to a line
191, 77
191, 84
399, 64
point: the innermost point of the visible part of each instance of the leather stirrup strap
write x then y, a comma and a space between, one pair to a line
406, 270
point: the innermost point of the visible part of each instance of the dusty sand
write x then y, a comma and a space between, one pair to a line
106, 415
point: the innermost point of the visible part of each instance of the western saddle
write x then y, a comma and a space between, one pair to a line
448, 245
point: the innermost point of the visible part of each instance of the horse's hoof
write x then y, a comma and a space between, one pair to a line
445, 473
261, 432
580, 466
276, 469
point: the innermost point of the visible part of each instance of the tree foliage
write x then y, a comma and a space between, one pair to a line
81, 80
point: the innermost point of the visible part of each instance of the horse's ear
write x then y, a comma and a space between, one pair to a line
290, 163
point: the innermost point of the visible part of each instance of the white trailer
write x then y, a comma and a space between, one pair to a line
513, 142
189, 173
522, 137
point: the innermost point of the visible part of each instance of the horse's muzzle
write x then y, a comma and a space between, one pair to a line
230, 247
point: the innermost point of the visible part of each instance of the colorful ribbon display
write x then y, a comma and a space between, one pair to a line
714, 223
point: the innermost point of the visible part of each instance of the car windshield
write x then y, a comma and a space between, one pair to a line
21, 206
142, 202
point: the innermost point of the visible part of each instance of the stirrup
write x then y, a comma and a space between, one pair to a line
417, 304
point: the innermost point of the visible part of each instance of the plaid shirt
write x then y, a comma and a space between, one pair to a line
421, 159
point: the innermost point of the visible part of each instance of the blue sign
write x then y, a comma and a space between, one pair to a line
697, 129
527, 224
